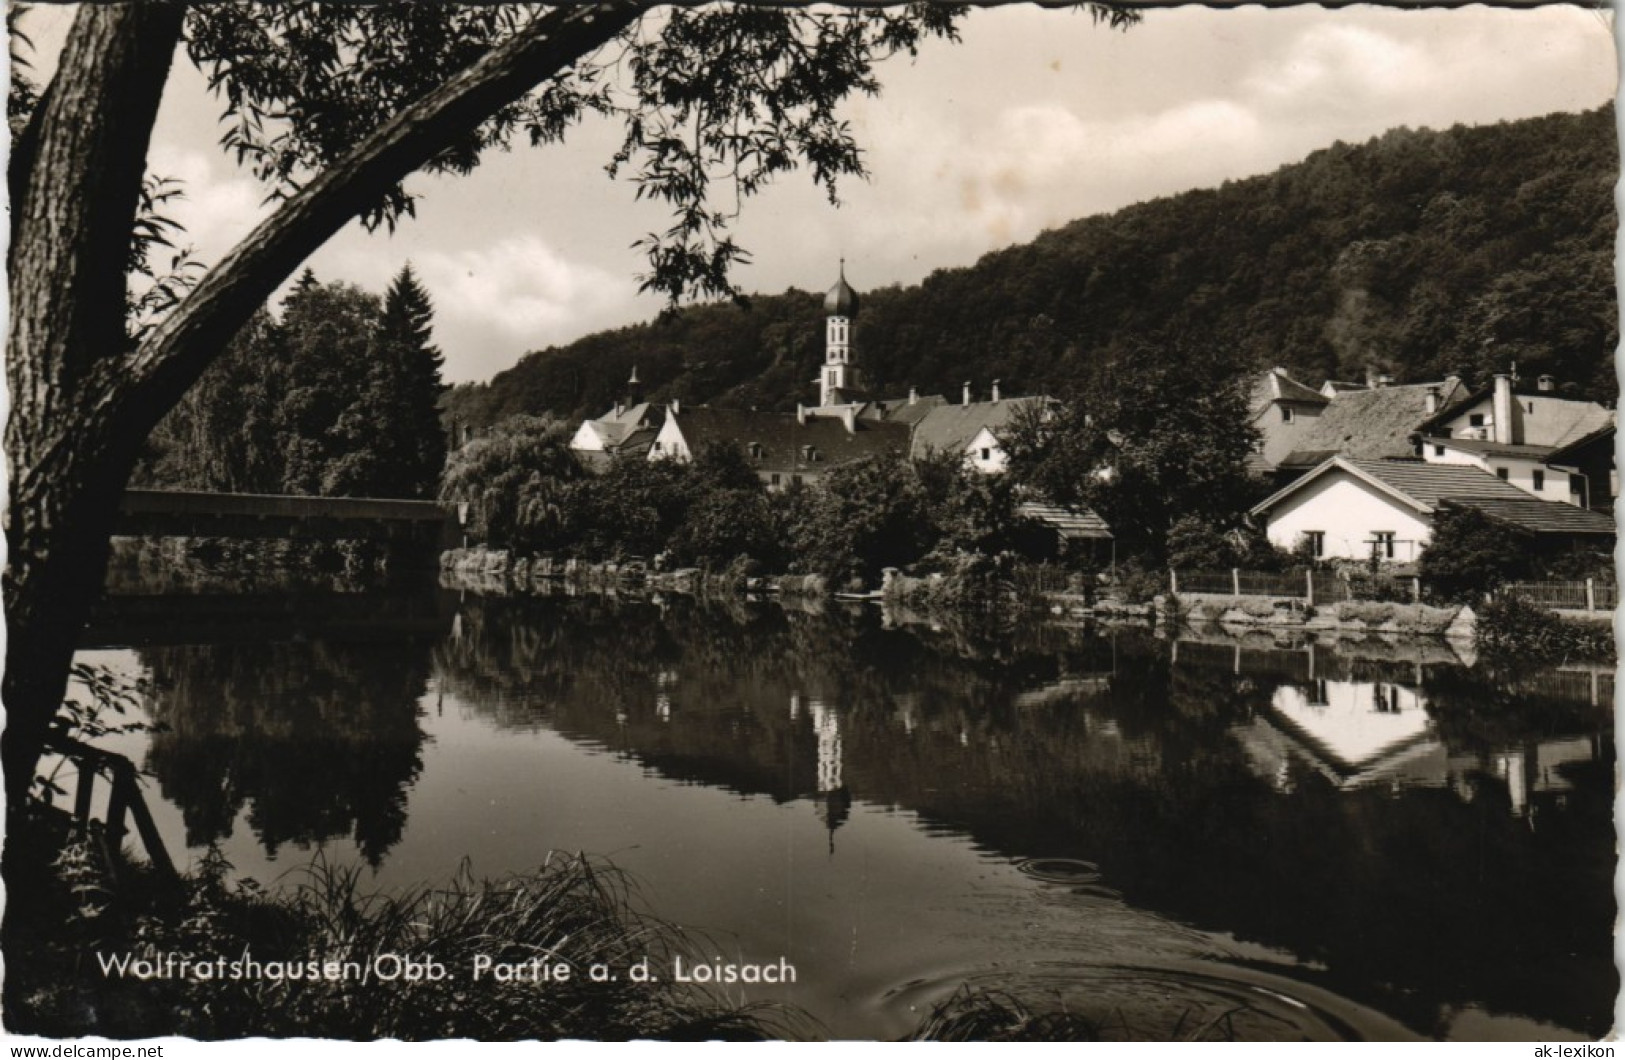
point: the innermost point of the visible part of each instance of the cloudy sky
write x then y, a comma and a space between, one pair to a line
1036, 118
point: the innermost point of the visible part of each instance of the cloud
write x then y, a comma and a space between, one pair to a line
216, 212
517, 294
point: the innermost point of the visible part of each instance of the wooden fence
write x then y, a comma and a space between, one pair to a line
1593, 594
1314, 587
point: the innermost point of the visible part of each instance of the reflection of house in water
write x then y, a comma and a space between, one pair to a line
1357, 729
1352, 732
1532, 773
834, 801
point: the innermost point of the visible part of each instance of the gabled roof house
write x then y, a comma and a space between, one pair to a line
1353, 509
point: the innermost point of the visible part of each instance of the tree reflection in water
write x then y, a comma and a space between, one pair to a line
317, 739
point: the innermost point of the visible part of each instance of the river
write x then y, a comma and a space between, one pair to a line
1177, 836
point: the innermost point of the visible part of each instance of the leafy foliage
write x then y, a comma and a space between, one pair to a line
338, 398
1145, 440
1470, 554
1513, 631
731, 95
514, 480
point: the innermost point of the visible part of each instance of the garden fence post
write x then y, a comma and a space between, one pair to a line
1416, 589
1173, 582
1309, 587
1591, 595
1235, 580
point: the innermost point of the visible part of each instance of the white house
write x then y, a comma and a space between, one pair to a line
1514, 437
1354, 509
974, 431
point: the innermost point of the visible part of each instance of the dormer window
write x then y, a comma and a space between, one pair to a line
755, 450
1475, 420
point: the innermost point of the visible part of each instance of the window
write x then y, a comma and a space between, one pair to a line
1317, 542
987, 454
1286, 414
1475, 420
756, 450
1438, 450
1537, 480
795, 480
1531, 406
1383, 544
774, 479
1501, 473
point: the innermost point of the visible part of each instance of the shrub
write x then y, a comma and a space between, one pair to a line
1513, 629
1470, 554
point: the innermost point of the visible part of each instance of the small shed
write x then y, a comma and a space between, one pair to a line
1073, 531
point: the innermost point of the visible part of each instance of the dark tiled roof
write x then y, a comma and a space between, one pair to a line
1569, 450
950, 428
1430, 484
1276, 385
780, 441
1541, 517
638, 442
615, 425
1068, 522
1473, 445
1372, 424
899, 410
1305, 458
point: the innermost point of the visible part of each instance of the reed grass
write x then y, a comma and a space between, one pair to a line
572, 910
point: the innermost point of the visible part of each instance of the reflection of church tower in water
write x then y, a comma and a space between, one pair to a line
835, 802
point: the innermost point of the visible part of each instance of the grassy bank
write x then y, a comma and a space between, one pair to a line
569, 915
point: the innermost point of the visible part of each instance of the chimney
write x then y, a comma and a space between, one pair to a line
965, 394
1433, 399
1502, 410
801, 413
995, 391
1546, 384
676, 406
634, 389
913, 396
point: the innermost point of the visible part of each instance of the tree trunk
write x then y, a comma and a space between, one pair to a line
73, 220
81, 407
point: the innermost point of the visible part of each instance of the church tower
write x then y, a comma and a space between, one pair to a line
839, 374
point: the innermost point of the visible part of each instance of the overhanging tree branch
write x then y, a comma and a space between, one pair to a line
145, 383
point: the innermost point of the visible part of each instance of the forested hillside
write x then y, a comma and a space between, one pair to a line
1418, 253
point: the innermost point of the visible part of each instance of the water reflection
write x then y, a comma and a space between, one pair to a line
312, 740
1426, 839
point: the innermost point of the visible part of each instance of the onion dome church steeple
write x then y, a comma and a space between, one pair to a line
842, 300
839, 374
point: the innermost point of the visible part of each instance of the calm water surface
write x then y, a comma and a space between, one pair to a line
1263, 839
